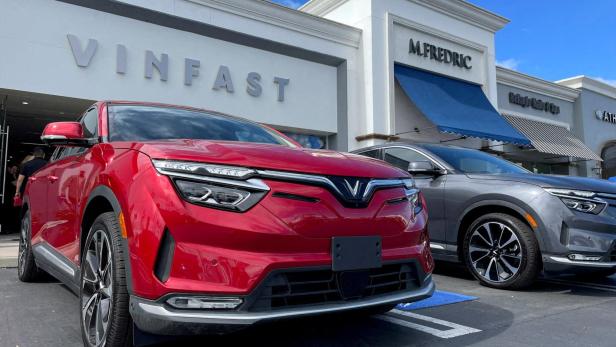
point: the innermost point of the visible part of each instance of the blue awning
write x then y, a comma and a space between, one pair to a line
456, 106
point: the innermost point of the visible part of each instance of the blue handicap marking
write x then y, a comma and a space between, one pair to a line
439, 298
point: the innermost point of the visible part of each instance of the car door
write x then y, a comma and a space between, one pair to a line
65, 194
37, 189
433, 188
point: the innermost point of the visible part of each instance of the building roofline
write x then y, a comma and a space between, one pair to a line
286, 18
585, 82
458, 9
320, 7
519, 80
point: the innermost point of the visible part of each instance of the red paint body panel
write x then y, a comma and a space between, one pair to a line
266, 156
219, 251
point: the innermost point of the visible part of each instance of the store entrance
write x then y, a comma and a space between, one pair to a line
26, 115
609, 160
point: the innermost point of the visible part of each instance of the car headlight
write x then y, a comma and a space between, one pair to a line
412, 195
218, 186
579, 200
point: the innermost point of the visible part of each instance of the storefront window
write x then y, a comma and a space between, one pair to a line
307, 140
609, 161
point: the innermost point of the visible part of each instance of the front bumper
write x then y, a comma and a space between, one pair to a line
564, 265
564, 233
158, 318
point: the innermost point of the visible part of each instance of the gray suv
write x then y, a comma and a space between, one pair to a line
504, 222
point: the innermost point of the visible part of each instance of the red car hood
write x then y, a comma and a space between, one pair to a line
265, 156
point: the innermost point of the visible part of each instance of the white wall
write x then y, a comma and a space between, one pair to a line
37, 57
387, 26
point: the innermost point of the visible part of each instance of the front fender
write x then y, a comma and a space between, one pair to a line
105, 192
503, 202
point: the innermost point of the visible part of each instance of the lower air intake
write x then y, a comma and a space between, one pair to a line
292, 289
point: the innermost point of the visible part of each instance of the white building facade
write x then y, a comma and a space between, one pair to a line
338, 74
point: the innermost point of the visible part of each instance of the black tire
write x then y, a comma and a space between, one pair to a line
523, 252
95, 284
27, 269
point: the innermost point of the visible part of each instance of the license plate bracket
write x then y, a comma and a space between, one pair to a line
356, 253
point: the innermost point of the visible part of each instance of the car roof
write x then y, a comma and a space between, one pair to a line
157, 104
409, 143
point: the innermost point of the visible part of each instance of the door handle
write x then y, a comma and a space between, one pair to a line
31, 179
52, 179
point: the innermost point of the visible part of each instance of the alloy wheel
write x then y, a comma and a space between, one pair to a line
495, 252
97, 288
23, 245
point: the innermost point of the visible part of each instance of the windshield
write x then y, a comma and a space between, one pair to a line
148, 123
474, 161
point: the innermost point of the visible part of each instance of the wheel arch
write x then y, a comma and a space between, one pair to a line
25, 206
480, 208
102, 199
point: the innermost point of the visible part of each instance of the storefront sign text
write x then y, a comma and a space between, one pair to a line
606, 116
535, 103
160, 63
439, 54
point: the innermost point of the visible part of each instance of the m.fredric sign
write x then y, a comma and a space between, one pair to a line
440, 54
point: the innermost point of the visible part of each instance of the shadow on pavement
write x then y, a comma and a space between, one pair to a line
587, 285
339, 330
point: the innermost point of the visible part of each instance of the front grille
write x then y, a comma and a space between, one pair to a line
290, 289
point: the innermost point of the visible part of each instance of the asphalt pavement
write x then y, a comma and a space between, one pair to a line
551, 313
554, 312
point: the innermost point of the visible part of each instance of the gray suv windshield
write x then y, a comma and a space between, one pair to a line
473, 161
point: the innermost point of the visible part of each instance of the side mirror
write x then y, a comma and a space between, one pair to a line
64, 134
425, 168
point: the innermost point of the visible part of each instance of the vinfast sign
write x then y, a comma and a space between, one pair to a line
534, 103
608, 117
440, 54
223, 81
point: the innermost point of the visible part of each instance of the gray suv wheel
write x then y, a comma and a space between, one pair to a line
501, 251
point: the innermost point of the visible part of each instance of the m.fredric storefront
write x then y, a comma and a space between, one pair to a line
338, 74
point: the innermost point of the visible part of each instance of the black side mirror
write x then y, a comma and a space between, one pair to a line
425, 168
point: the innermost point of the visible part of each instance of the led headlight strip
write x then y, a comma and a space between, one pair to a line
218, 186
239, 188
579, 200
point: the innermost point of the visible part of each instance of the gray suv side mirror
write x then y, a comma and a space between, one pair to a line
424, 168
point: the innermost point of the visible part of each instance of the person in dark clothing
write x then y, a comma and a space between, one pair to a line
30, 168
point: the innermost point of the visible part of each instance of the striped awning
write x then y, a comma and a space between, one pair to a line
551, 138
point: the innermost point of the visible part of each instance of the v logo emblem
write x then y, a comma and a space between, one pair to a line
354, 190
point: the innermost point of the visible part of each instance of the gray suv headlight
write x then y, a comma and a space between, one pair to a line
579, 200
217, 186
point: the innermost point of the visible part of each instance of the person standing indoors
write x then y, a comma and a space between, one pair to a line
29, 168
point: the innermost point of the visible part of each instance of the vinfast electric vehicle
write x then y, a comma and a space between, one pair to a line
179, 221
505, 223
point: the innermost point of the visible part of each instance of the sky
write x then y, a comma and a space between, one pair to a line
552, 39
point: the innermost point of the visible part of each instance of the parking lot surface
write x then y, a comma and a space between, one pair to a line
565, 312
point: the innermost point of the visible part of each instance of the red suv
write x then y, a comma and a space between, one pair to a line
185, 221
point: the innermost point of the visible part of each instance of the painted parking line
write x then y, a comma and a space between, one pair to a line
454, 330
